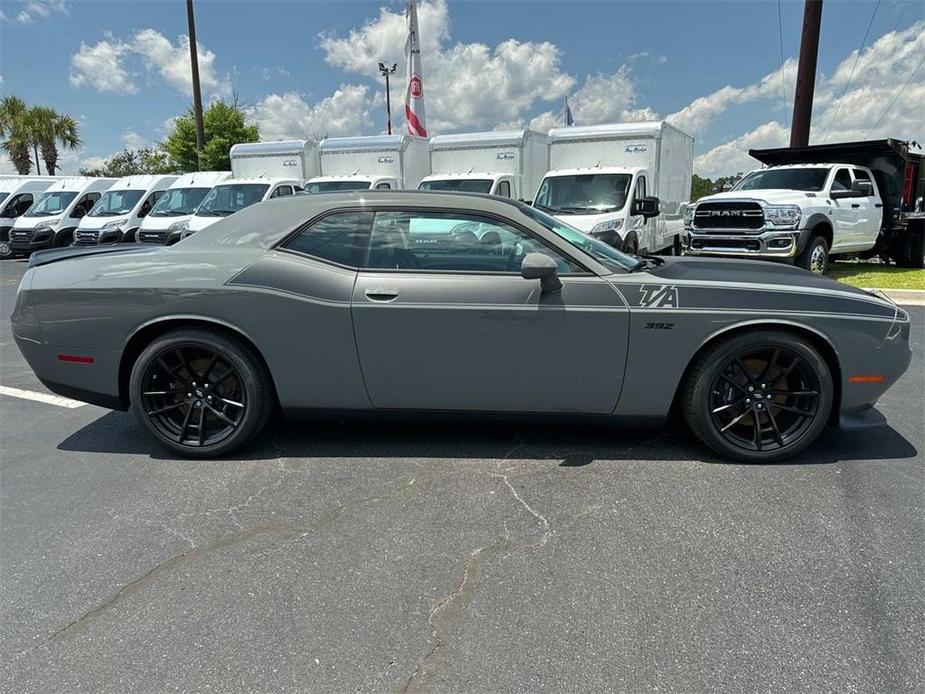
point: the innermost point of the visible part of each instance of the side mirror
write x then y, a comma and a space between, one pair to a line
840, 194
646, 207
538, 266
863, 188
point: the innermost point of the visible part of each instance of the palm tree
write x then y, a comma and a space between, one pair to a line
49, 128
16, 132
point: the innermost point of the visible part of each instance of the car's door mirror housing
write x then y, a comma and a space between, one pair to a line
646, 207
840, 194
538, 266
863, 188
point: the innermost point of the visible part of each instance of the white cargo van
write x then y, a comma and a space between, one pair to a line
17, 193
172, 212
625, 183
231, 196
377, 162
296, 159
508, 163
120, 211
52, 219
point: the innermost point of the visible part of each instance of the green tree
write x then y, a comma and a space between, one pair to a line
132, 162
49, 129
16, 132
223, 126
700, 187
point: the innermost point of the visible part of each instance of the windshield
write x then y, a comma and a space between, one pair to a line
51, 203
3, 196
179, 201
606, 255
228, 199
332, 186
784, 179
116, 202
461, 185
584, 194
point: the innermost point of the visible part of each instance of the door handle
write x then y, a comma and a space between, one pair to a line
855, 205
878, 204
381, 294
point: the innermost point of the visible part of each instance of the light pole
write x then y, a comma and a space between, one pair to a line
197, 93
384, 70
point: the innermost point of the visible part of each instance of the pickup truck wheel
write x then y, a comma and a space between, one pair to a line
815, 257
6, 250
200, 393
759, 397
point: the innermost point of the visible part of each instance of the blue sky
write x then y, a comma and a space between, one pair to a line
308, 68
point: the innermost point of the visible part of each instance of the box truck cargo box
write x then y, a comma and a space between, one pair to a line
298, 159
381, 162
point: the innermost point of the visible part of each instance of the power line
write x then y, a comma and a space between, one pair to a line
901, 13
780, 39
898, 94
851, 76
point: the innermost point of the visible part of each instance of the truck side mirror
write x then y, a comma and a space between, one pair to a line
646, 207
538, 266
865, 188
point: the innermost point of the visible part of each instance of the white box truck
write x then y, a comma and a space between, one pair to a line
376, 162
52, 219
510, 163
172, 212
625, 183
298, 159
117, 215
17, 193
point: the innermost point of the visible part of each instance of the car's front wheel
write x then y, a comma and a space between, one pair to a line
761, 396
200, 393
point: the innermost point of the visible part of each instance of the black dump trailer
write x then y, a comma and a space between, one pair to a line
900, 176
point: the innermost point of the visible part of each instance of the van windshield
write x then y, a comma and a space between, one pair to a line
51, 203
228, 199
784, 179
584, 193
3, 196
459, 185
179, 201
116, 202
332, 186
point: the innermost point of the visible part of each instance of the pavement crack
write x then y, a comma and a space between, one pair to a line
547, 529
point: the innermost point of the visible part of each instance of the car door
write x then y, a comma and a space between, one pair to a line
845, 212
870, 212
444, 320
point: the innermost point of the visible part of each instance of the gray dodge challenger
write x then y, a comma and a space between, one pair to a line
412, 301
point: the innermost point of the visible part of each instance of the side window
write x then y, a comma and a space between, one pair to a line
274, 194
451, 242
383, 186
504, 189
842, 180
283, 190
861, 175
84, 205
147, 205
338, 238
18, 205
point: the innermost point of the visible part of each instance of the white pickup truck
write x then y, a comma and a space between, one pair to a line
805, 209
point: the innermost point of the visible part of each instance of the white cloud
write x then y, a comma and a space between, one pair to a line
466, 85
732, 157
33, 10
288, 116
133, 140
104, 66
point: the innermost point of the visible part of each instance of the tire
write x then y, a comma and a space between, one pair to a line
815, 257
6, 250
912, 252
166, 402
721, 410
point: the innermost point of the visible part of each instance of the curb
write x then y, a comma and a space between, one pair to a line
910, 297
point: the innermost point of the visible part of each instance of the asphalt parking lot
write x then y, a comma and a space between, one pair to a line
364, 557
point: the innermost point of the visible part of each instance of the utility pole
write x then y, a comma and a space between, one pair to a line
806, 74
197, 94
383, 70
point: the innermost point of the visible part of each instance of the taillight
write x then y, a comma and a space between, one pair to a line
907, 184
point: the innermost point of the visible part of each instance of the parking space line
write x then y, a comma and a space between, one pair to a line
40, 397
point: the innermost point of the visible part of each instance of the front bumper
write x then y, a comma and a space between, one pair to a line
94, 237
28, 240
767, 244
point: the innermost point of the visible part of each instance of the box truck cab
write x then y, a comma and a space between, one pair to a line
172, 212
624, 183
231, 196
17, 194
506, 163
377, 162
119, 212
53, 218
290, 159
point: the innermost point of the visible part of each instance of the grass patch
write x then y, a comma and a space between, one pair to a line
879, 275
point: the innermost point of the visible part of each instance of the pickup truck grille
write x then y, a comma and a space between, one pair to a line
152, 237
728, 215
86, 237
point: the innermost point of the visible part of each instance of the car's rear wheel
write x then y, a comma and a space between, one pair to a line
200, 393
760, 396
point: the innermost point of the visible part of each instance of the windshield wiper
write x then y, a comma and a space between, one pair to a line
578, 210
222, 213
547, 209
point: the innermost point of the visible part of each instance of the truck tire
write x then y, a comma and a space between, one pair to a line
815, 257
912, 252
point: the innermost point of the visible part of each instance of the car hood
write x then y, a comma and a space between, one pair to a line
773, 196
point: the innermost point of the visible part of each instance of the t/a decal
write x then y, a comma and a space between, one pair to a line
659, 296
